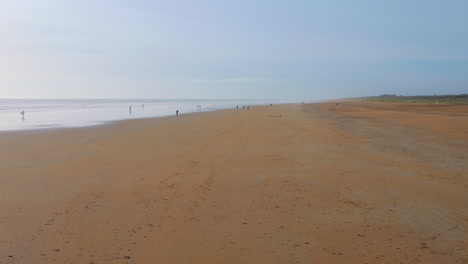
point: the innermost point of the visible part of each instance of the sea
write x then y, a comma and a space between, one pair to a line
62, 113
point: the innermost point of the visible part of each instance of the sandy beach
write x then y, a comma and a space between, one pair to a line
314, 183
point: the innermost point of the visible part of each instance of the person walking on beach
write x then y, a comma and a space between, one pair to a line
177, 112
130, 109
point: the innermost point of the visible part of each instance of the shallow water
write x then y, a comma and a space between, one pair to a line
56, 113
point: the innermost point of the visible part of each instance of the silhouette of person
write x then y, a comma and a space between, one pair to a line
177, 112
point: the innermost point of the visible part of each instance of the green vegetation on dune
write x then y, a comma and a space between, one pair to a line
431, 99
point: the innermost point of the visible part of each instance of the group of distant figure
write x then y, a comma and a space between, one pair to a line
243, 107
199, 107
143, 107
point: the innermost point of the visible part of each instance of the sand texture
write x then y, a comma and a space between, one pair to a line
313, 183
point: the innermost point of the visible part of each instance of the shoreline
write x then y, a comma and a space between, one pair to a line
101, 123
62, 113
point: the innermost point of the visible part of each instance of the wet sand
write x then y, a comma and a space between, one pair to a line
314, 183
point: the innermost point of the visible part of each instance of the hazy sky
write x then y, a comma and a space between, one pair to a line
315, 49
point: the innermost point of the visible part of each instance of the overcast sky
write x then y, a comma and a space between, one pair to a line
269, 49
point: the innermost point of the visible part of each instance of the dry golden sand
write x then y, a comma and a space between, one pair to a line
354, 183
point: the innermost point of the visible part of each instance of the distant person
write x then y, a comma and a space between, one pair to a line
336, 104
22, 113
177, 112
243, 107
248, 107
271, 104
237, 107
130, 109
143, 106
